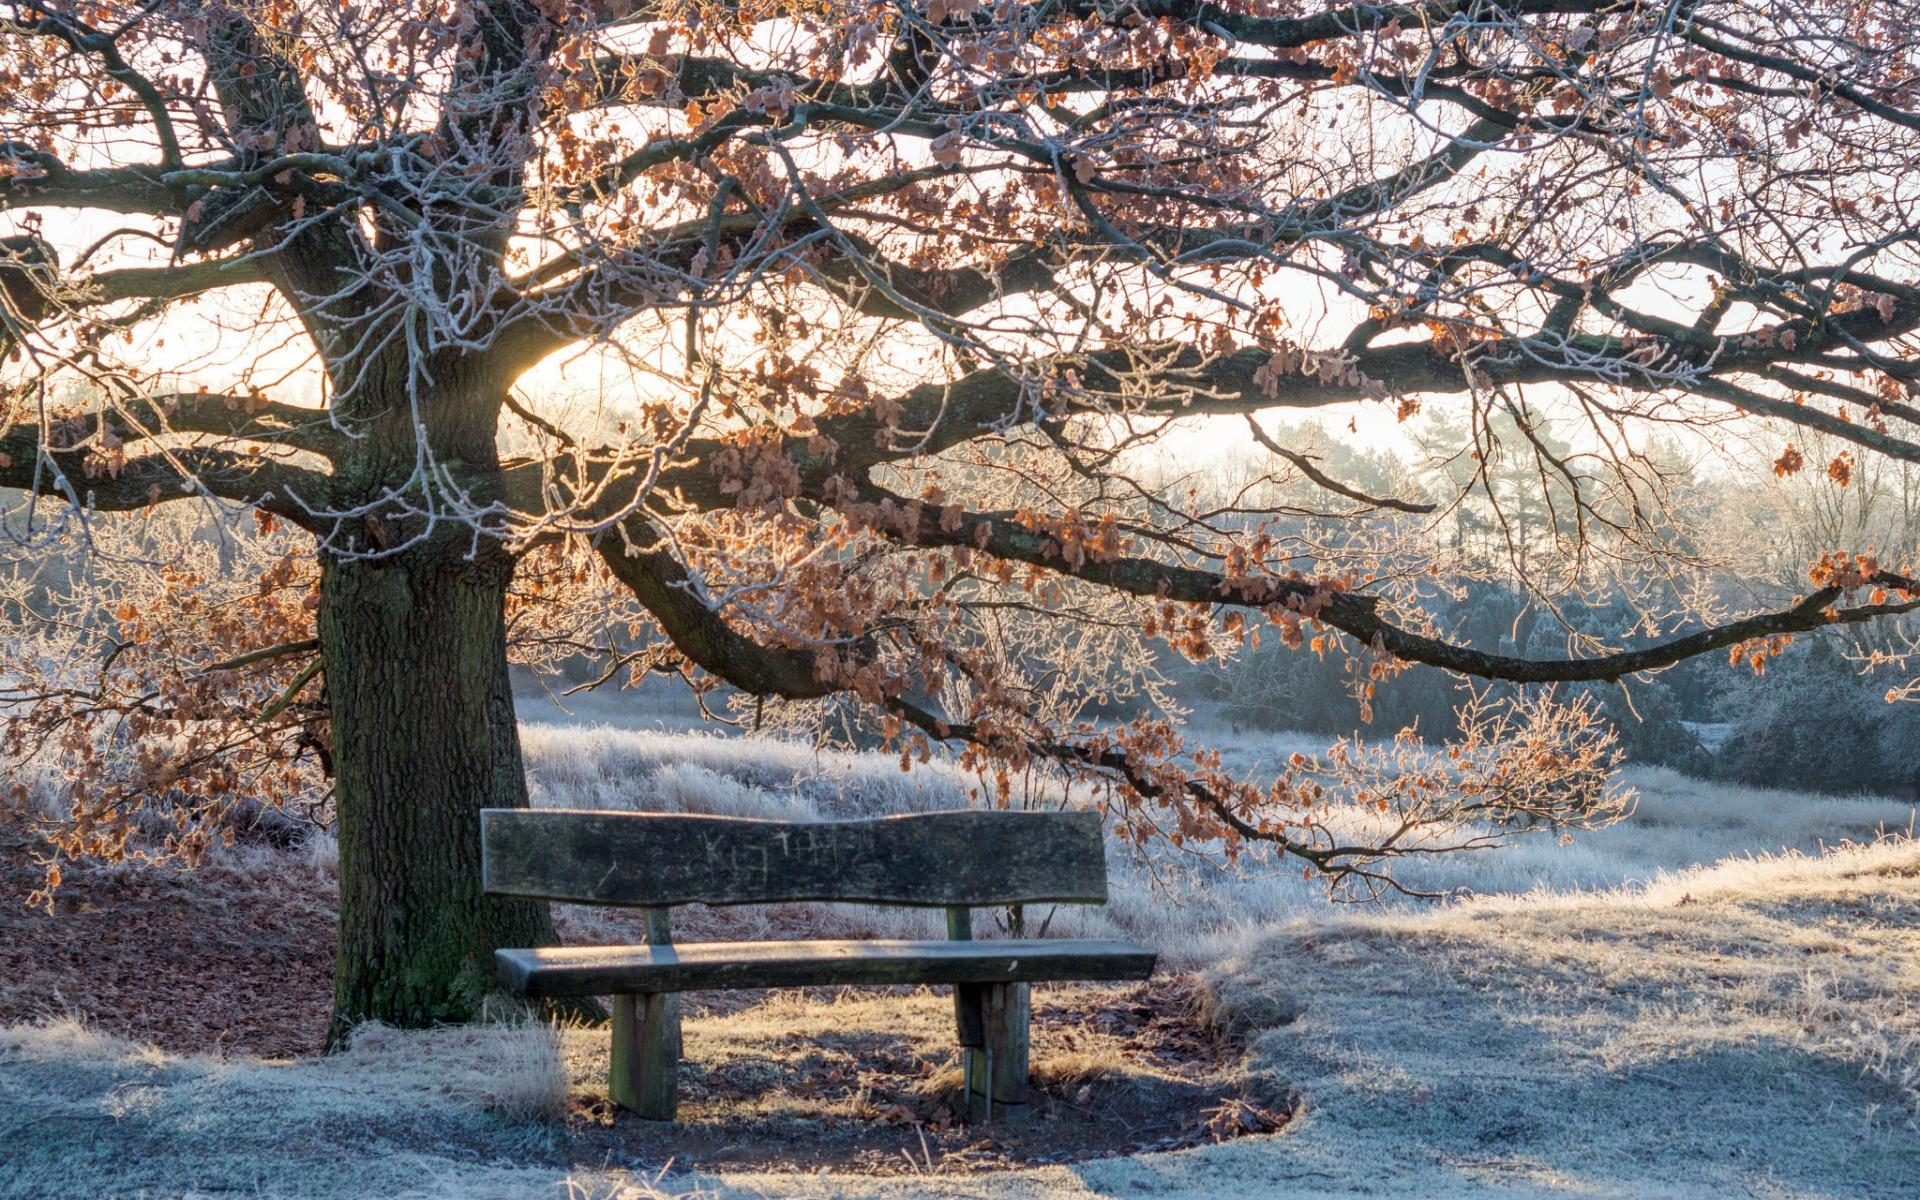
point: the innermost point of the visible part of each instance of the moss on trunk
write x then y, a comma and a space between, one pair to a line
424, 738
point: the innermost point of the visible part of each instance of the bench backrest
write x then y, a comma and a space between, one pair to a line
933, 860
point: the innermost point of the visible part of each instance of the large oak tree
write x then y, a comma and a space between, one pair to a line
898, 293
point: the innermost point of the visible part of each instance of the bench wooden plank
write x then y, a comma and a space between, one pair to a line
613, 970
995, 1067
924, 859
643, 1074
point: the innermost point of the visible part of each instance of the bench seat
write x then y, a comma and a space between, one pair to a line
614, 970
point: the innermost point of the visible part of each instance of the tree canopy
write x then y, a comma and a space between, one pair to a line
884, 306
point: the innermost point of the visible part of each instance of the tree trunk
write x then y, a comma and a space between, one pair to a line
424, 738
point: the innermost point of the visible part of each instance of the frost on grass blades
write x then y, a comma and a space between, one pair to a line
834, 353
1619, 1022
1193, 907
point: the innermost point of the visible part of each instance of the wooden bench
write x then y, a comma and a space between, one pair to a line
951, 860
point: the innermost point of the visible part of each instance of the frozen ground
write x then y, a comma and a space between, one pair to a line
1746, 1030
1606, 1019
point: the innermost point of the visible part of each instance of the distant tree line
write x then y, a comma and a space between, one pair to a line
1829, 715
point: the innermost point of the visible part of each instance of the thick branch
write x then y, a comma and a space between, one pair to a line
640, 559
36, 179
1286, 33
1356, 614
171, 282
248, 418
95, 477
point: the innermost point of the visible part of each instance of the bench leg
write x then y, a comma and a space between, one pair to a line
646, 1054
994, 1019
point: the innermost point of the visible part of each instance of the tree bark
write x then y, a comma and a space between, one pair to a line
424, 738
